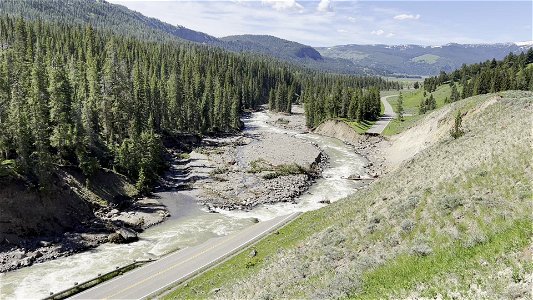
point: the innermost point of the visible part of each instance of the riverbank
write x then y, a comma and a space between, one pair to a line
117, 225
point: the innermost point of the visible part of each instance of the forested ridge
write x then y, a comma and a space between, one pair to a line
73, 95
119, 19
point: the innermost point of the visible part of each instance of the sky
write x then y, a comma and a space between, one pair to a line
335, 22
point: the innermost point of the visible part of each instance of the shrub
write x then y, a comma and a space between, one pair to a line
285, 170
407, 225
421, 249
282, 121
449, 203
407, 205
457, 130
219, 170
259, 165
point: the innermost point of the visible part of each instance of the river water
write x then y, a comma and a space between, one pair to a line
189, 224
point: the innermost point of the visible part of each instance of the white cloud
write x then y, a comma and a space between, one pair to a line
378, 32
284, 4
406, 17
342, 30
352, 19
390, 34
324, 6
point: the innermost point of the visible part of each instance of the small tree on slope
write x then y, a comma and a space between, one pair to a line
399, 107
457, 130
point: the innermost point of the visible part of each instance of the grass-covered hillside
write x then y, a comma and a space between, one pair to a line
453, 220
411, 106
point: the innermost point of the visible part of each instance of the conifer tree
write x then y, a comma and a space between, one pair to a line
60, 110
399, 107
39, 121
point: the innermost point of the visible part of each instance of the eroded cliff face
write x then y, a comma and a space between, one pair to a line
26, 212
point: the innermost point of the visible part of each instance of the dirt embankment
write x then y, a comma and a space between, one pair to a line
432, 129
339, 130
74, 215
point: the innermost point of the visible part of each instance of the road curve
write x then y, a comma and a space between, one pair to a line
176, 267
385, 119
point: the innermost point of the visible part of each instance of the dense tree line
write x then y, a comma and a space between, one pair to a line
329, 96
72, 95
342, 99
514, 72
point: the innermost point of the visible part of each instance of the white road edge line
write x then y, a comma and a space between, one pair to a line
129, 273
173, 253
223, 255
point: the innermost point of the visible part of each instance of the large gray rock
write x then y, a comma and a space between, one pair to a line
123, 236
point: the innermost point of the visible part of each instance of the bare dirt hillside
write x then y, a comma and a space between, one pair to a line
433, 128
339, 130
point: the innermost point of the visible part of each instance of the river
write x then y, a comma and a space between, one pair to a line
189, 224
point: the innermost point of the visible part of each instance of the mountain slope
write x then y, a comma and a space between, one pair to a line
348, 59
117, 18
453, 220
273, 46
421, 60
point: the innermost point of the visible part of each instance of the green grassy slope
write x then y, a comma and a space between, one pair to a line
411, 104
455, 220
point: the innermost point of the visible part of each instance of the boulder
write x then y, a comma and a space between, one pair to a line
253, 253
19, 255
123, 236
355, 177
36, 254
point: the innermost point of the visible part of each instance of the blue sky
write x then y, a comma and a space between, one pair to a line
330, 22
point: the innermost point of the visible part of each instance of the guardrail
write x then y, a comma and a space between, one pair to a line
80, 287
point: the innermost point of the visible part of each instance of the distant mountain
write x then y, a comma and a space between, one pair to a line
421, 60
274, 46
293, 52
347, 59
120, 19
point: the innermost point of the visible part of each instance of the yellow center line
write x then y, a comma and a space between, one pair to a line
171, 267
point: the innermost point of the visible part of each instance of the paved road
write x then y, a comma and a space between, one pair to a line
178, 266
384, 120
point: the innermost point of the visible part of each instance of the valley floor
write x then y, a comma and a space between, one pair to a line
260, 166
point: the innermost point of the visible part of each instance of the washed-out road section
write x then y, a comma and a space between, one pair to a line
159, 275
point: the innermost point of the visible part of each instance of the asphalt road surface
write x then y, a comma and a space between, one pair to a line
385, 119
154, 277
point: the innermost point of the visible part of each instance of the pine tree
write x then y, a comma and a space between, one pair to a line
422, 107
399, 107
5, 93
454, 94
60, 111
39, 122
18, 115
